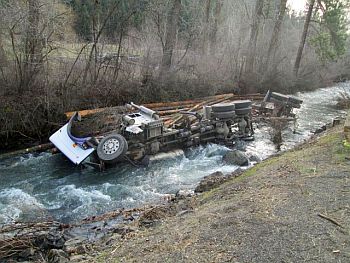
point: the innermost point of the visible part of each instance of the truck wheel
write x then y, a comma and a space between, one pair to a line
244, 111
241, 104
111, 148
224, 115
223, 107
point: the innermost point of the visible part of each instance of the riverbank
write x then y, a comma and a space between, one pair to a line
291, 208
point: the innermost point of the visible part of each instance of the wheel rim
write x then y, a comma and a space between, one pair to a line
111, 146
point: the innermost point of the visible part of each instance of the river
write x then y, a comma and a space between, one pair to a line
45, 186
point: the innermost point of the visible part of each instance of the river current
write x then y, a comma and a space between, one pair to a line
46, 186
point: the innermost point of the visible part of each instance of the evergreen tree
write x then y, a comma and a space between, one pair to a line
130, 11
331, 36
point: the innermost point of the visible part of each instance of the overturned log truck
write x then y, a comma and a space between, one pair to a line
278, 105
141, 132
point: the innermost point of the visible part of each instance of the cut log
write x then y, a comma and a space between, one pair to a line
169, 112
153, 105
200, 105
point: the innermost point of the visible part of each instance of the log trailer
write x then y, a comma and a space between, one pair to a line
142, 133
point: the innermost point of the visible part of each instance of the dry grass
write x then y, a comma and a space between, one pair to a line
270, 214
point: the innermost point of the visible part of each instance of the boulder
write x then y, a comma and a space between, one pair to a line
210, 182
254, 158
75, 245
236, 157
54, 239
182, 194
320, 130
27, 253
241, 145
57, 256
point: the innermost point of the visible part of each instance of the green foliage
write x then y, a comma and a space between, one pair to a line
127, 12
346, 144
190, 16
330, 40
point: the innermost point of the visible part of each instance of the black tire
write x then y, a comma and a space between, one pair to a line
112, 148
279, 96
223, 107
241, 104
224, 115
295, 100
243, 111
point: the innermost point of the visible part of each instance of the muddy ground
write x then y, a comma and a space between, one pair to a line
290, 208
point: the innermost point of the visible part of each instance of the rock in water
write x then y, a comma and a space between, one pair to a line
182, 194
254, 158
236, 157
210, 182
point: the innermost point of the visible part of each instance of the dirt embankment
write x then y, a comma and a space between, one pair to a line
290, 208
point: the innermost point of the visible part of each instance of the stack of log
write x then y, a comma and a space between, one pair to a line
170, 111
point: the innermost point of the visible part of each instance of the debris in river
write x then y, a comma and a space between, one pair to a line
30, 241
278, 125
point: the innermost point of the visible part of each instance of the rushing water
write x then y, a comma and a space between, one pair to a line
48, 186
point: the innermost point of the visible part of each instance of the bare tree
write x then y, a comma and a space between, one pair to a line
33, 40
254, 32
2, 52
171, 31
206, 22
213, 35
303, 37
275, 38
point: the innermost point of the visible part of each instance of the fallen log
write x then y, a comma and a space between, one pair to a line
169, 112
174, 107
38, 148
185, 102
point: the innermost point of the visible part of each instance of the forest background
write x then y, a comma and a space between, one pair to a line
64, 55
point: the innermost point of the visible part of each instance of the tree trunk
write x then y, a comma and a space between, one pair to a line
275, 38
214, 31
33, 40
95, 33
3, 59
258, 11
206, 29
33, 46
303, 38
170, 38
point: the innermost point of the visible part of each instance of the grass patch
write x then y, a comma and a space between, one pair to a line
329, 139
